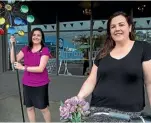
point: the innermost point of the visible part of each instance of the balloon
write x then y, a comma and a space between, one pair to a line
2, 20
11, 30
21, 33
7, 26
30, 18
24, 9
8, 7
11, 1
18, 21
1, 31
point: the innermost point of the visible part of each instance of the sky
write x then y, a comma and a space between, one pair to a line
45, 11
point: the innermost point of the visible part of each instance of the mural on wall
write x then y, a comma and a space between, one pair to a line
67, 48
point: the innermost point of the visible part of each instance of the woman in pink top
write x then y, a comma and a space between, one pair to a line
35, 79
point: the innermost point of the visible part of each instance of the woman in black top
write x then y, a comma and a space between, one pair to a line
119, 72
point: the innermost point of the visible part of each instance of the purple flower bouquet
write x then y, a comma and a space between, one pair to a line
74, 110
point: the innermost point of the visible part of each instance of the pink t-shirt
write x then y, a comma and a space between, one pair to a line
33, 59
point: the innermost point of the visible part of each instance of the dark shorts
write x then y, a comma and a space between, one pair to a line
36, 96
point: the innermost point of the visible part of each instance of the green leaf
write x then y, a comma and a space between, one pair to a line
74, 115
73, 120
78, 117
79, 114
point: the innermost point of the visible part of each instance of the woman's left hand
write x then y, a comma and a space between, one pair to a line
18, 66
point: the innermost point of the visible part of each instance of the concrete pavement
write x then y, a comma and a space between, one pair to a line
10, 110
61, 88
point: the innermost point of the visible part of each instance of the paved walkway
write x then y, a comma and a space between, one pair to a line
10, 110
61, 88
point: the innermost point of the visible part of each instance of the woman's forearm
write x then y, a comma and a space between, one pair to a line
87, 88
148, 87
36, 69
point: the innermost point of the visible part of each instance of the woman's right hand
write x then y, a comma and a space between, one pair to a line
12, 39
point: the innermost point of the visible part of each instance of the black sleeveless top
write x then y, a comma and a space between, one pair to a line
120, 83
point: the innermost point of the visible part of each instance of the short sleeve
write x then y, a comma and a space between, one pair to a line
24, 49
45, 51
146, 51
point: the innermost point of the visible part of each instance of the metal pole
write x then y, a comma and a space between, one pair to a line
57, 44
91, 34
5, 52
19, 90
19, 85
29, 30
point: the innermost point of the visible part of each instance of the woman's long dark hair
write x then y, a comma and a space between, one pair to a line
30, 43
109, 42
